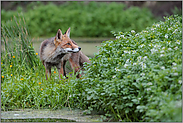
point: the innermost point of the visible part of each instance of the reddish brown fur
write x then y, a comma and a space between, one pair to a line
56, 51
77, 60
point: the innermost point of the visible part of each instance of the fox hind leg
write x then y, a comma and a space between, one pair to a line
63, 67
64, 63
46, 72
75, 66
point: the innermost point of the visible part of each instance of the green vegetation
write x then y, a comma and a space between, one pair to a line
137, 77
95, 19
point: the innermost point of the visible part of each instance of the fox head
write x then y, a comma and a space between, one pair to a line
65, 43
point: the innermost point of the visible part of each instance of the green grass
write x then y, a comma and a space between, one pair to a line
137, 77
23, 83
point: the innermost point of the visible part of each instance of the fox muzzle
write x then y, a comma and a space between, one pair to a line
75, 50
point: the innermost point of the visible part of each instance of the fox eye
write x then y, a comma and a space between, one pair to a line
68, 44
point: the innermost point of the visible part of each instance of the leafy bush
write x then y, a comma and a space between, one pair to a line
95, 19
138, 76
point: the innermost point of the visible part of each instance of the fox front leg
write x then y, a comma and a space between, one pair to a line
48, 71
61, 69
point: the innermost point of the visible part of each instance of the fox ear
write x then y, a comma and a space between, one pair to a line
58, 35
68, 33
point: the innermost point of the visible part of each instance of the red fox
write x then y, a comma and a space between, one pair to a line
76, 60
58, 50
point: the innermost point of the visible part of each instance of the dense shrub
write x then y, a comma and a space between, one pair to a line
138, 76
95, 19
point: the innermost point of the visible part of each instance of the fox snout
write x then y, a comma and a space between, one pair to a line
79, 49
75, 50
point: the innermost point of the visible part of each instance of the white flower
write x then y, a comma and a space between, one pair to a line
117, 37
169, 28
162, 67
142, 45
175, 30
152, 28
149, 83
157, 46
153, 51
128, 61
161, 55
145, 57
174, 63
150, 45
125, 51
176, 48
145, 31
162, 51
132, 31
177, 42
163, 48
133, 52
166, 36
175, 74
117, 69
180, 81
125, 65
174, 68
143, 66
142, 74
139, 58
134, 63
114, 76
137, 35
122, 36
169, 48
157, 25
148, 89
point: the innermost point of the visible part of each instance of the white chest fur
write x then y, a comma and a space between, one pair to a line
66, 56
